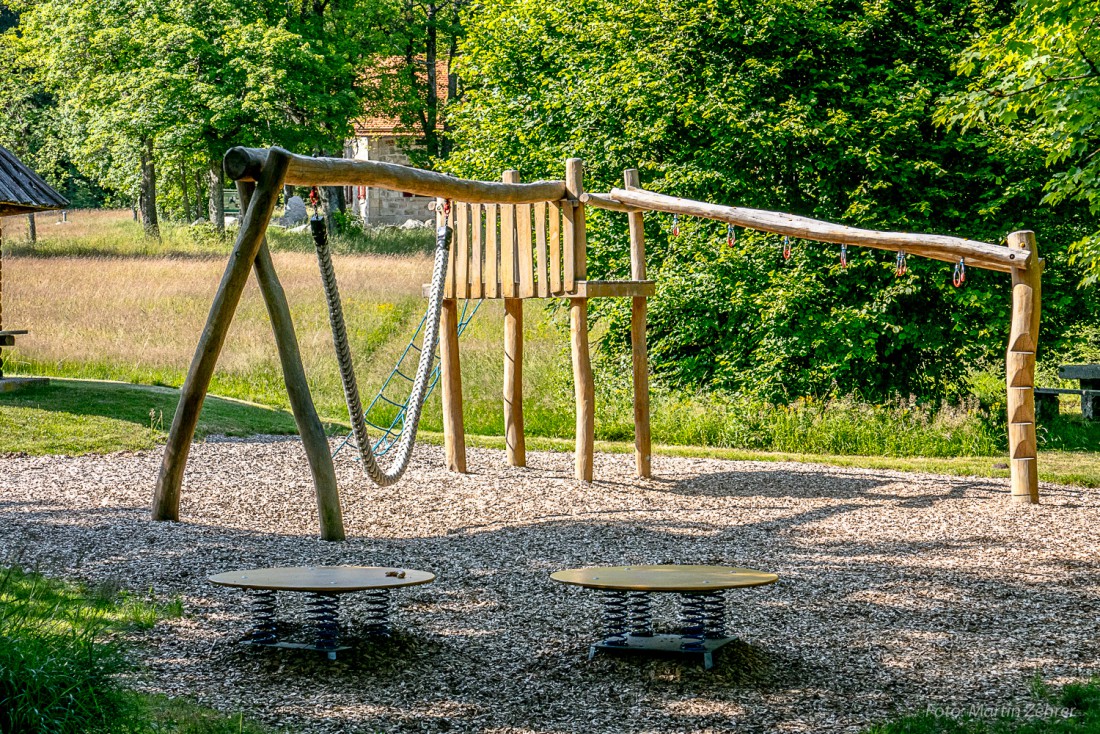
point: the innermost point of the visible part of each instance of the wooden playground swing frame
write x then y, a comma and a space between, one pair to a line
517, 241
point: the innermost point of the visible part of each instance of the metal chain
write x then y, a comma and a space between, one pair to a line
383, 478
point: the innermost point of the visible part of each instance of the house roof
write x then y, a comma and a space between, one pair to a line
391, 124
22, 190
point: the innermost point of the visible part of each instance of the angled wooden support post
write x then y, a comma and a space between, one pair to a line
514, 440
166, 498
584, 387
450, 369
1023, 341
642, 440
329, 515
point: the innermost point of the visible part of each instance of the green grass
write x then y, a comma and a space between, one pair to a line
1075, 709
62, 662
78, 417
147, 336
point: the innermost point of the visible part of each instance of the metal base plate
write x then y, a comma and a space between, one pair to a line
331, 651
664, 645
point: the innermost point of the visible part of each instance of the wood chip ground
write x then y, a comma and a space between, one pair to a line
898, 592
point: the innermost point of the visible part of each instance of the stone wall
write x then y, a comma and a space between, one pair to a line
381, 206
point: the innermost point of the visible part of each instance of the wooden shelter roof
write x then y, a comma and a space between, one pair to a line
22, 190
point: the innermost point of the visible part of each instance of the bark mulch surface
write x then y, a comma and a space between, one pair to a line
897, 592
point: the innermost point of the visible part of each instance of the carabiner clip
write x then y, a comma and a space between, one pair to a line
675, 226
959, 276
786, 247
843, 255
902, 266
731, 236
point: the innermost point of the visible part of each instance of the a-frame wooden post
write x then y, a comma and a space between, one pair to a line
329, 515
250, 241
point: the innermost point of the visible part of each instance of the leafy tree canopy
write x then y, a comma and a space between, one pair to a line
817, 107
1037, 79
193, 78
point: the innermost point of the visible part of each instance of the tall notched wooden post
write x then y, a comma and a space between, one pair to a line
1023, 341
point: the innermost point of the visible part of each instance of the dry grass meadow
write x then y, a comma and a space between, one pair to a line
138, 317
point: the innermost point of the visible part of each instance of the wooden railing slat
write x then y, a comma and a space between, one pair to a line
555, 247
540, 250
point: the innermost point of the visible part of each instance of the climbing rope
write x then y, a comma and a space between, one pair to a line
425, 364
390, 428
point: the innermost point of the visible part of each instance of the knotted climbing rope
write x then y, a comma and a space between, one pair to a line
381, 477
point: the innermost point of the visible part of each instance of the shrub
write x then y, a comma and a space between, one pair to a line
57, 673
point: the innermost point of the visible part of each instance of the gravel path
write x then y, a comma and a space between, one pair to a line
897, 591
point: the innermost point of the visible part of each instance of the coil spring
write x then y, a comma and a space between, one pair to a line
377, 615
263, 630
324, 613
695, 625
641, 614
714, 611
615, 617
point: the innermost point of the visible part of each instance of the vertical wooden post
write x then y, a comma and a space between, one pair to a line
583, 384
450, 374
329, 515
514, 439
166, 497
1020, 371
642, 439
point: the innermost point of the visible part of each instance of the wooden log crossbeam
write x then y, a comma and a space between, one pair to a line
938, 247
245, 164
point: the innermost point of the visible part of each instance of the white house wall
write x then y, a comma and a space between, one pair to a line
382, 206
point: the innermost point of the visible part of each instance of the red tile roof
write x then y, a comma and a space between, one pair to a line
391, 125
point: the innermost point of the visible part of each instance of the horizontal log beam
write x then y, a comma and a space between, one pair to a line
244, 164
937, 247
603, 201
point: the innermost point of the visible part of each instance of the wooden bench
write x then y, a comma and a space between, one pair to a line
7, 339
1087, 376
627, 592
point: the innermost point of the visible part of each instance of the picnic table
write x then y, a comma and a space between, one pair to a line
628, 604
1087, 377
323, 585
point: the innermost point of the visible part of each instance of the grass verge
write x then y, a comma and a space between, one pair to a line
1075, 709
62, 662
80, 417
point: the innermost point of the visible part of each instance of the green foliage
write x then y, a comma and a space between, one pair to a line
56, 673
60, 663
1035, 81
192, 78
817, 108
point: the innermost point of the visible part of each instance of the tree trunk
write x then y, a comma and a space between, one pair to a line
147, 197
452, 96
431, 109
201, 211
186, 197
333, 200
216, 205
